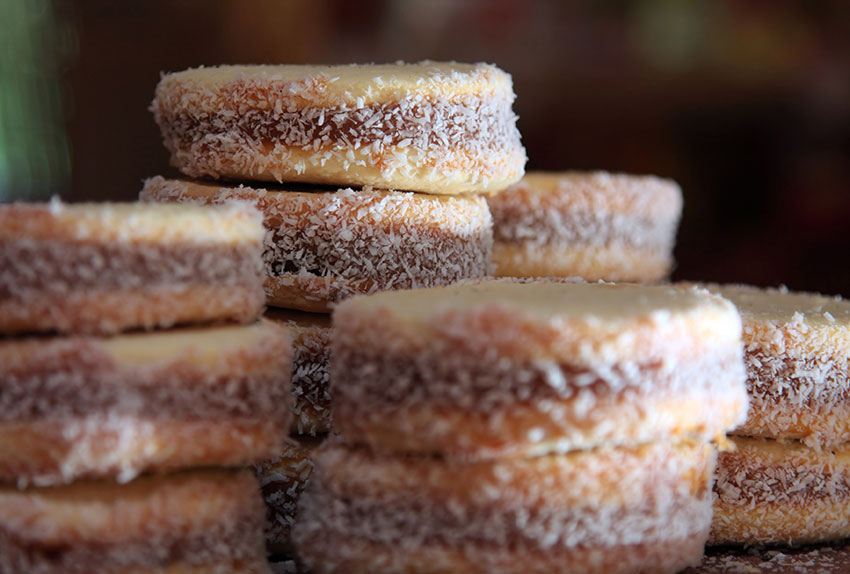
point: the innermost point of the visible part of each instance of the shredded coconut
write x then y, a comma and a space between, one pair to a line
355, 241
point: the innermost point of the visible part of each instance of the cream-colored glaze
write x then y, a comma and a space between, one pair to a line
209, 347
783, 306
355, 84
600, 308
130, 222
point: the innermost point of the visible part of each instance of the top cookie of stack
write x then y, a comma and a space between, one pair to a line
441, 128
435, 129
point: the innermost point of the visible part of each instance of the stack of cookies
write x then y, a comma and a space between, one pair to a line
788, 480
367, 178
509, 426
136, 381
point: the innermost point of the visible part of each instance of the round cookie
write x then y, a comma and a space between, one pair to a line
104, 268
441, 128
311, 341
73, 407
207, 521
781, 492
283, 479
638, 509
324, 246
503, 368
591, 225
797, 351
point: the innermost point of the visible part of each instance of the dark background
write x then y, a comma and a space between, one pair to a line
745, 103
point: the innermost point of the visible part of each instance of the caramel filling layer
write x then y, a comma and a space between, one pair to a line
747, 478
369, 379
76, 378
233, 541
613, 497
421, 258
311, 382
553, 228
31, 268
789, 384
471, 123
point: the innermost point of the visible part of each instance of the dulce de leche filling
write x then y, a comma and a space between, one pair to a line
767, 472
659, 493
464, 411
189, 520
239, 372
382, 379
56, 266
797, 397
471, 123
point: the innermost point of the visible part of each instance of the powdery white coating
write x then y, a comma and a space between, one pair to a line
322, 247
311, 334
283, 479
770, 492
435, 127
607, 498
797, 351
103, 268
497, 368
96, 392
807, 560
199, 521
542, 223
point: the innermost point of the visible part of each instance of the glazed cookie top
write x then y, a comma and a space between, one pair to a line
215, 347
130, 222
585, 322
790, 323
353, 84
300, 208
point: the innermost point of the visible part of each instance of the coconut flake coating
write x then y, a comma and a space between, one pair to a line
104, 268
491, 516
87, 407
781, 492
506, 368
441, 128
819, 559
797, 352
198, 521
322, 247
311, 334
593, 225
283, 478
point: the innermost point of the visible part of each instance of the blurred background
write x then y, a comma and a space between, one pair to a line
745, 103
